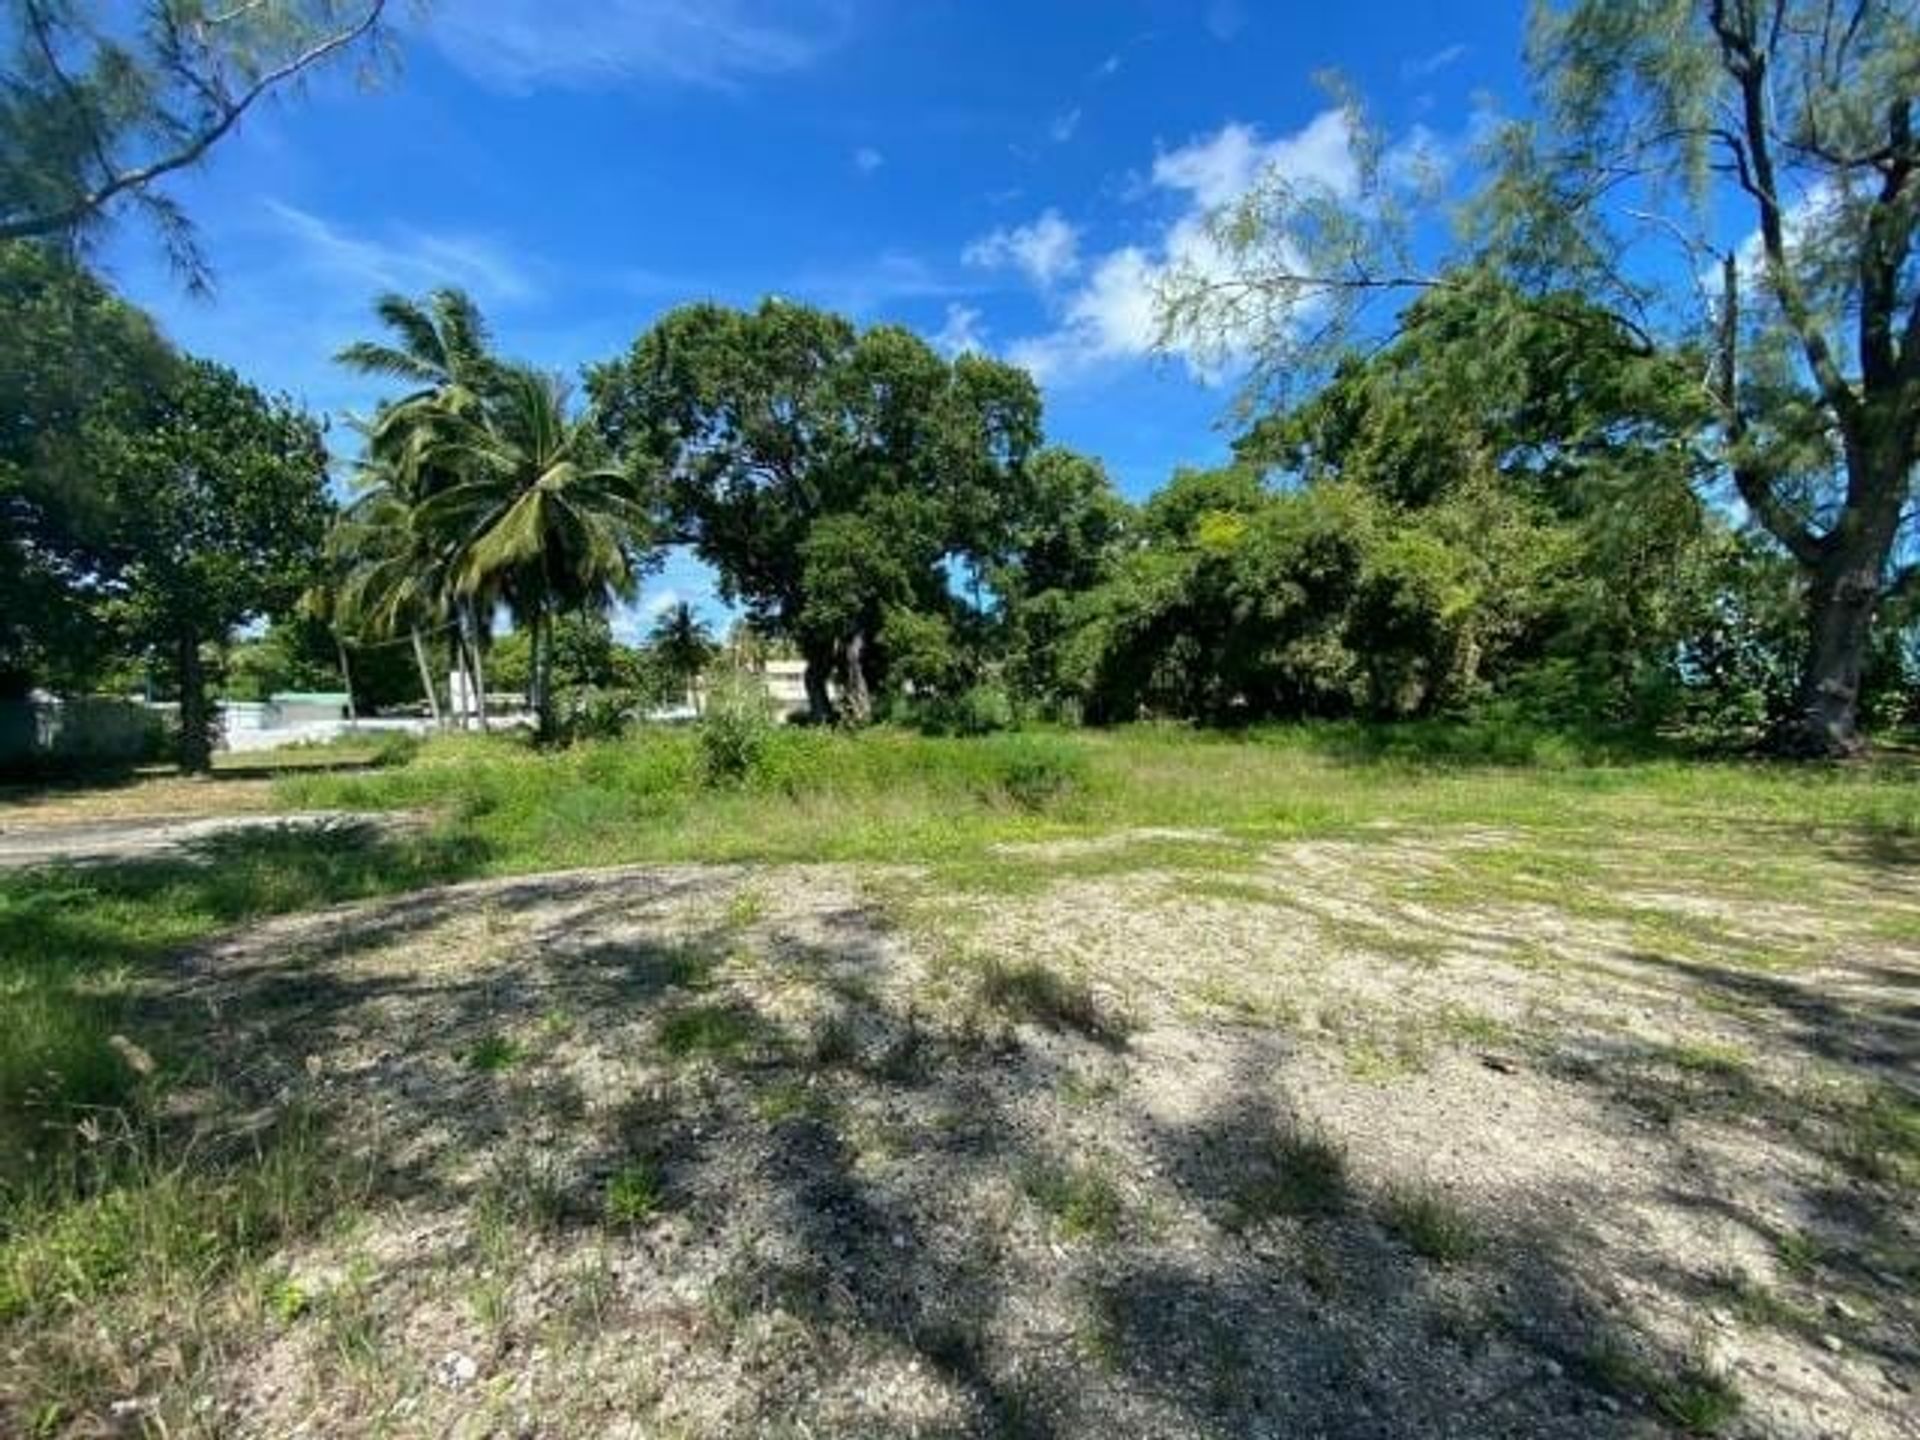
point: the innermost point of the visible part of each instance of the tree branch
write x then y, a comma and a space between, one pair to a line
1748, 67
1756, 489
227, 114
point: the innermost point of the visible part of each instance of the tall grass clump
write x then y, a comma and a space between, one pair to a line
735, 730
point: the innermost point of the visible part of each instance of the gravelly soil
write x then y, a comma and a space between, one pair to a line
919, 1161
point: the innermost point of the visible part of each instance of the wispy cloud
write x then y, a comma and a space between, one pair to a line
1062, 127
521, 45
867, 159
962, 334
405, 258
864, 286
1422, 66
1046, 251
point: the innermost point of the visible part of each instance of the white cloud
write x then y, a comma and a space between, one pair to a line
407, 259
1112, 315
659, 602
962, 333
867, 160
1063, 125
520, 45
1221, 168
1107, 68
1046, 251
1422, 66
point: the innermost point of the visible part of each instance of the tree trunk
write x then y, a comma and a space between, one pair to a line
346, 679
819, 701
426, 679
542, 673
1843, 591
196, 739
477, 668
859, 701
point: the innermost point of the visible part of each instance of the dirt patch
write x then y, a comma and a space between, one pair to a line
824, 1151
46, 840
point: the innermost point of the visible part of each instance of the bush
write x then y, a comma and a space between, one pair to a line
588, 712
735, 730
1035, 771
979, 710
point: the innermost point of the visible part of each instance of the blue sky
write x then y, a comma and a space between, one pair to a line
1003, 176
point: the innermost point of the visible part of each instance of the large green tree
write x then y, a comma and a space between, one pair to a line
101, 103
77, 366
835, 478
218, 506
1792, 123
1740, 175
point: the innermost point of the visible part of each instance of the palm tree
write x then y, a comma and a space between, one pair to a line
531, 512
684, 644
388, 570
443, 348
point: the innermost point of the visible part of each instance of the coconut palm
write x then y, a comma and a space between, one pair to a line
684, 644
442, 346
531, 513
387, 567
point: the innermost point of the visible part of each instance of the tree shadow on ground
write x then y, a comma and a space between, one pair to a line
835, 1166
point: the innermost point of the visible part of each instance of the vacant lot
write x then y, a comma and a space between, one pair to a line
1137, 1085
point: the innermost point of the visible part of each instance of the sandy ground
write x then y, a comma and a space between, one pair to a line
143, 837
796, 1151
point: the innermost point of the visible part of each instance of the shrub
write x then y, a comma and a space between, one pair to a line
1035, 772
587, 712
980, 710
735, 730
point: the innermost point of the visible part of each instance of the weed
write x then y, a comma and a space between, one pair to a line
633, 1194
1879, 1135
491, 1054
1708, 1058
525, 1186
1756, 1304
1798, 1252
1082, 1201
1432, 1226
1696, 1396
833, 1042
1034, 993
712, 1030
286, 1299
1101, 1330
1699, 1398
746, 908
1302, 1173
1083, 1090
790, 1100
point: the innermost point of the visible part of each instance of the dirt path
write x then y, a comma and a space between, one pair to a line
1325, 1142
40, 841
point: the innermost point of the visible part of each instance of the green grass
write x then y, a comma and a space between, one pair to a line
1081, 1200
633, 1193
890, 794
92, 1042
1432, 1226
710, 1030
1302, 1173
